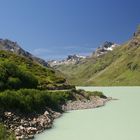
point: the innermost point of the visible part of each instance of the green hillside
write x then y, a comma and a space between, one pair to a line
17, 72
120, 67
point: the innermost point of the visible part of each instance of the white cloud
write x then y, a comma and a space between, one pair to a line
60, 52
39, 51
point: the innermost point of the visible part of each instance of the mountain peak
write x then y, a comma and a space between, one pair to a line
71, 59
6, 44
104, 48
75, 57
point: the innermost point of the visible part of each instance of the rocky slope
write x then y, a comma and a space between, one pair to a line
71, 59
104, 48
108, 66
11, 46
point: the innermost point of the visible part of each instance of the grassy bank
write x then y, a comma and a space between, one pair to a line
32, 100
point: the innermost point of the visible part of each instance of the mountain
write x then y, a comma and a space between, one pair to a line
71, 59
20, 69
118, 66
75, 59
11, 46
104, 48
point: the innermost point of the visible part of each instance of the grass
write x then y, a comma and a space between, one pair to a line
32, 100
47, 77
5, 134
120, 67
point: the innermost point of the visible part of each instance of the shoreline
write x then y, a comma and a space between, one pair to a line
26, 127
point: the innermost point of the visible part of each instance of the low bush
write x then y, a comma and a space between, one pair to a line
30, 100
13, 77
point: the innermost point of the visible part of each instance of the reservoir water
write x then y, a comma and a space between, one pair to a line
117, 120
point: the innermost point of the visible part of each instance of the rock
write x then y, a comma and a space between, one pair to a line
46, 113
17, 132
21, 127
104, 48
71, 59
8, 114
26, 128
22, 137
57, 114
31, 130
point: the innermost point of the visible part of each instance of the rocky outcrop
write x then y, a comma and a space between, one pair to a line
104, 48
71, 59
25, 127
93, 102
11, 46
135, 41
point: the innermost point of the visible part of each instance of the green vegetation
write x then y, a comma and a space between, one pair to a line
27, 87
87, 94
12, 77
120, 67
21, 72
32, 100
5, 134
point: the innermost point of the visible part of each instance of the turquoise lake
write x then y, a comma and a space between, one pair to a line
117, 120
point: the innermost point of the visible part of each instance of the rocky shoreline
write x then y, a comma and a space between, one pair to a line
26, 127
93, 102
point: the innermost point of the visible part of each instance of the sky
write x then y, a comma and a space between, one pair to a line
53, 29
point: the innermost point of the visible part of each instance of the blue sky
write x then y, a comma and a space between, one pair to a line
53, 29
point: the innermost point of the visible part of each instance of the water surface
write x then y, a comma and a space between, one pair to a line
118, 120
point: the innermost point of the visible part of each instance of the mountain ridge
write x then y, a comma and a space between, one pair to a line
71, 59
8, 45
75, 59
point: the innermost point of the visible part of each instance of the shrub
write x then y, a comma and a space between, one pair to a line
13, 77
30, 100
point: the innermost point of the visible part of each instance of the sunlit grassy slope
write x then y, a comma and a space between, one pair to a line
116, 68
47, 77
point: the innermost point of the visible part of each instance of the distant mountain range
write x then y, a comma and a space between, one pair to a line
110, 65
75, 59
71, 59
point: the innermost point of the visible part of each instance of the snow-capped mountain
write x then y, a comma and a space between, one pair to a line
71, 59
104, 48
75, 59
